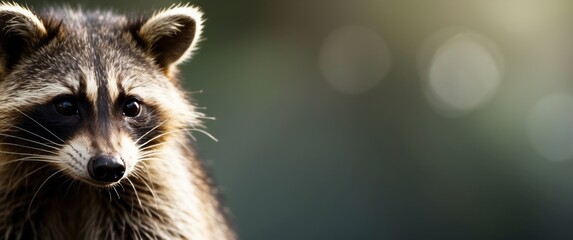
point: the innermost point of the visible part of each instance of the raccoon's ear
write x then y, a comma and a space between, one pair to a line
20, 31
171, 35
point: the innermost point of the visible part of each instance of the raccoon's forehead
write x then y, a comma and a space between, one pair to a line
86, 73
91, 52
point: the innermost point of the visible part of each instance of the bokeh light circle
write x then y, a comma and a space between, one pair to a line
550, 127
354, 59
460, 73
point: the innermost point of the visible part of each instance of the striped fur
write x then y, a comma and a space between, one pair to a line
100, 60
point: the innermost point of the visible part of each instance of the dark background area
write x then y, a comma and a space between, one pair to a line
411, 119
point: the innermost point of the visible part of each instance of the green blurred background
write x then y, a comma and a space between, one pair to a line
410, 119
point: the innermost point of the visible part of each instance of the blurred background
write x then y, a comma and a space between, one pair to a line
374, 119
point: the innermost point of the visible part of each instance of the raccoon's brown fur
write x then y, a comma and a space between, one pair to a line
80, 87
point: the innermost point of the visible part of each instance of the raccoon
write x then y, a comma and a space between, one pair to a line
95, 127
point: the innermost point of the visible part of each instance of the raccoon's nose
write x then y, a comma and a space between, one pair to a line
106, 169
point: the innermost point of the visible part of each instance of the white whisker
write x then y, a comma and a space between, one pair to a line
22, 154
31, 159
136, 174
161, 135
42, 126
38, 135
135, 191
32, 141
204, 132
39, 124
118, 197
207, 118
36, 193
151, 154
29, 147
152, 146
151, 130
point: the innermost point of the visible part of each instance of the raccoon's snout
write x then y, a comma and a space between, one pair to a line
106, 169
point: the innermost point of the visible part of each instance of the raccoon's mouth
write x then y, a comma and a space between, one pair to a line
92, 183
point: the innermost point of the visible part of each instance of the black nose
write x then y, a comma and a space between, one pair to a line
106, 169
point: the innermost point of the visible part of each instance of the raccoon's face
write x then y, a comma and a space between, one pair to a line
92, 94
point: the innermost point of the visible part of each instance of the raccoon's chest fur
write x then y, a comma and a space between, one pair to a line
144, 208
94, 128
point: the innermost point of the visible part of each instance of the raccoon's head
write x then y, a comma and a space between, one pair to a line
92, 94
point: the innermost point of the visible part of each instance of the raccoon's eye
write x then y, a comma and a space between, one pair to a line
66, 107
131, 108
